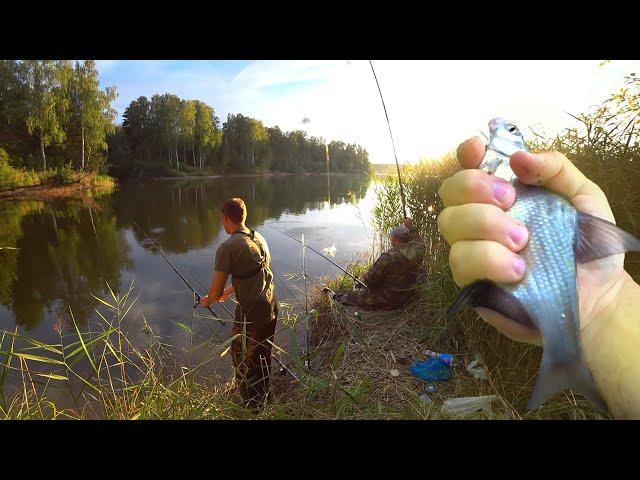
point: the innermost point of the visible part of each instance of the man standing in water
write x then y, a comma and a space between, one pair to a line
245, 256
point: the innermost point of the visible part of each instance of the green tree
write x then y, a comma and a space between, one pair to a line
90, 109
168, 124
137, 127
43, 102
259, 145
187, 128
207, 134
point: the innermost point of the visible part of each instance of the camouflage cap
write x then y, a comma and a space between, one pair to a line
401, 233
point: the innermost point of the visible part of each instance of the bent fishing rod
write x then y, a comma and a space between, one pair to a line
195, 292
317, 252
404, 207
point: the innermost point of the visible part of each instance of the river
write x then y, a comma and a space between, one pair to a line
69, 250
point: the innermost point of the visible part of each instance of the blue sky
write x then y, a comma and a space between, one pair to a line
432, 105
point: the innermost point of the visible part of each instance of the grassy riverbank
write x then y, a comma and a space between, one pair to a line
359, 363
359, 370
25, 183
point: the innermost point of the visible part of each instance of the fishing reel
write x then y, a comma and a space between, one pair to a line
197, 297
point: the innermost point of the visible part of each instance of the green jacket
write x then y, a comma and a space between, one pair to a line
395, 272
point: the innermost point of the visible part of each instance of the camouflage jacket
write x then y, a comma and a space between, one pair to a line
395, 272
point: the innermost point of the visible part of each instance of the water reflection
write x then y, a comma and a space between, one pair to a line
182, 216
69, 249
66, 249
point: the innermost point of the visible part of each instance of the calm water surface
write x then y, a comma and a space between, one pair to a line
70, 249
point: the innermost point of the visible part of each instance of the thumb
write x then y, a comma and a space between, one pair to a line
557, 173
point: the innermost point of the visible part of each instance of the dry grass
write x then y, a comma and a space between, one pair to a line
358, 353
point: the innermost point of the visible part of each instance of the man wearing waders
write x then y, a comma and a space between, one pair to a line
245, 256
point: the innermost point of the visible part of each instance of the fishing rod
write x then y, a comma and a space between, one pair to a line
327, 259
198, 297
273, 355
404, 207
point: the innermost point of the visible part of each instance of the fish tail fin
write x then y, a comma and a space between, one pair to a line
554, 378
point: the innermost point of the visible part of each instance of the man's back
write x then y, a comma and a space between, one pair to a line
242, 257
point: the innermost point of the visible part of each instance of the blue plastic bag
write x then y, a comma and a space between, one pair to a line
433, 369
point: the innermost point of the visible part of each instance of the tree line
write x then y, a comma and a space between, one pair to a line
169, 133
54, 113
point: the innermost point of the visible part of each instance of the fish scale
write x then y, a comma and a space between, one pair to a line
551, 291
546, 297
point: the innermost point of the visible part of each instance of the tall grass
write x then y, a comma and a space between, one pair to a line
11, 177
110, 372
605, 146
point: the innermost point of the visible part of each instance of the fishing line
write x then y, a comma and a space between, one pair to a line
404, 207
481, 132
159, 250
232, 316
318, 253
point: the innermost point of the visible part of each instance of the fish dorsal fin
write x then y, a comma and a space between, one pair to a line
598, 238
487, 294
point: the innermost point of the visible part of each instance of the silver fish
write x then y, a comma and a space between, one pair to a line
546, 298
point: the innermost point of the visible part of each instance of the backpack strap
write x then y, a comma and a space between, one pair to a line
261, 262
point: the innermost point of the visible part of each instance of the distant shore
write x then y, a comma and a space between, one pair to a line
247, 175
50, 192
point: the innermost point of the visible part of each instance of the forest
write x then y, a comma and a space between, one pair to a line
56, 121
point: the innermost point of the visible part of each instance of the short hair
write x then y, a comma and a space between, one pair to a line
401, 233
235, 210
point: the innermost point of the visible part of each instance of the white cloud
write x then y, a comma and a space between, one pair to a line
432, 105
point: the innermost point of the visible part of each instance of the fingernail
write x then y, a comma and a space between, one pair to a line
518, 234
522, 158
518, 265
501, 190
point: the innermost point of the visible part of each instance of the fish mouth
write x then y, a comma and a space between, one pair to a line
487, 169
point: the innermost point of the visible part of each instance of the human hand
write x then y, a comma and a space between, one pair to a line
485, 241
204, 301
226, 294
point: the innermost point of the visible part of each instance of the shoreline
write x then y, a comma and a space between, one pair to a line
247, 175
51, 192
